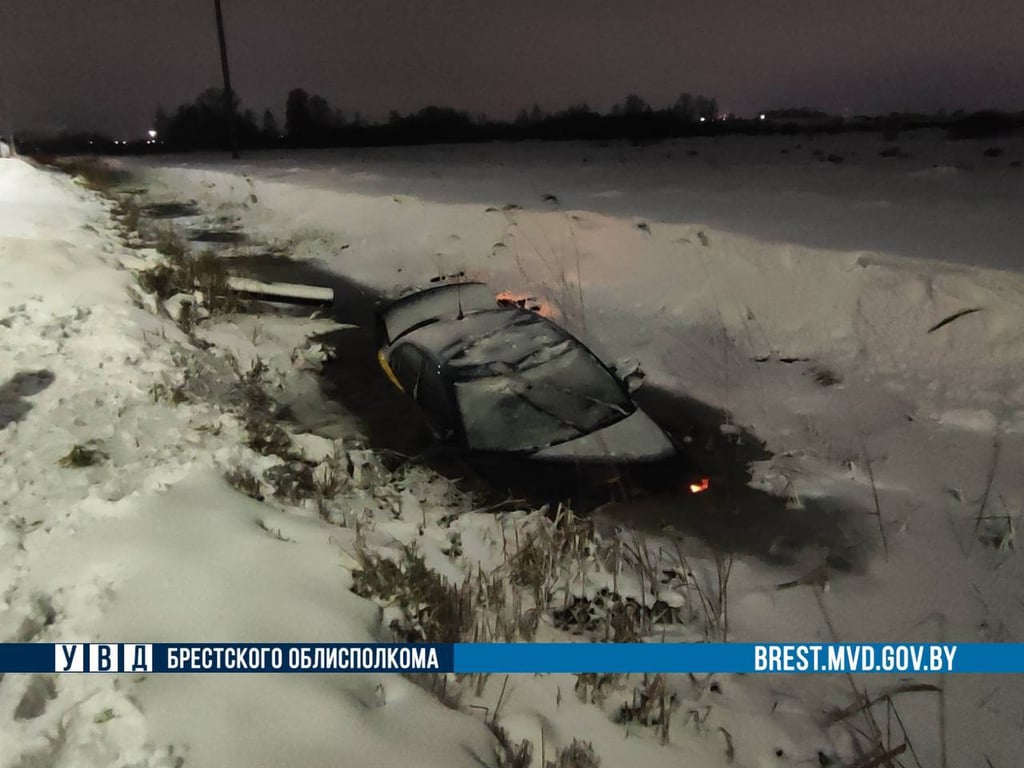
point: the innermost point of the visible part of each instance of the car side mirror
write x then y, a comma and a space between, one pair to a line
631, 373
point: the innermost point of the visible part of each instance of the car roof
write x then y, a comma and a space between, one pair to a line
439, 302
504, 335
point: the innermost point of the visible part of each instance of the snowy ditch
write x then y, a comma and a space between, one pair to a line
447, 565
733, 517
172, 552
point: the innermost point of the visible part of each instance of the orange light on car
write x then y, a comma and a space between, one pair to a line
525, 301
700, 486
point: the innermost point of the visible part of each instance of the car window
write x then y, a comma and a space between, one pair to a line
406, 362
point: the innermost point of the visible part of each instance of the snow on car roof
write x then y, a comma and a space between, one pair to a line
486, 342
437, 303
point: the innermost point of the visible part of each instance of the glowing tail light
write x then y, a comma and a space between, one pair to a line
700, 486
523, 301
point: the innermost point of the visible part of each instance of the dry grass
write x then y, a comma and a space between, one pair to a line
96, 173
999, 531
292, 481
258, 412
160, 281
244, 481
879, 743
182, 272
558, 551
433, 609
652, 705
187, 384
127, 213
84, 455
595, 688
579, 754
560, 265
551, 564
549, 571
274, 533
170, 243
706, 594
518, 755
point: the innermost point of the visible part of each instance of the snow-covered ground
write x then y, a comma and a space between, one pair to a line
712, 268
798, 294
117, 522
150, 541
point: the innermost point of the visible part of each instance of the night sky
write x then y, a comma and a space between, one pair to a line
106, 64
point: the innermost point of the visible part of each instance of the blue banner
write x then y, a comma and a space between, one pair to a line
857, 658
742, 657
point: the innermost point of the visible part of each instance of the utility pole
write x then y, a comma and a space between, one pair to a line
5, 106
229, 96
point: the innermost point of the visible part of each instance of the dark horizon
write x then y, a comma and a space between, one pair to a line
107, 66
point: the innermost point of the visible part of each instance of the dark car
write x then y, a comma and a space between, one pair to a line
504, 379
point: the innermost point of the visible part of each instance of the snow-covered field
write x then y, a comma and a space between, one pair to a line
797, 295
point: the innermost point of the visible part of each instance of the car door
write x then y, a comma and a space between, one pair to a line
420, 377
432, 396
406, 364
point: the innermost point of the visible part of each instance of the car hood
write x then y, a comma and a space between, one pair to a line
634, 438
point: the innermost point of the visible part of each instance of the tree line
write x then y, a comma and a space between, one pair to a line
310, 121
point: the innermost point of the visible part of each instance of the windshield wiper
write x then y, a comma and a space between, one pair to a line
610, 406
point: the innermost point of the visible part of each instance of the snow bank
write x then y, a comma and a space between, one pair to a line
146, 540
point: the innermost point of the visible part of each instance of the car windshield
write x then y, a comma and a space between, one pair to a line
528, 386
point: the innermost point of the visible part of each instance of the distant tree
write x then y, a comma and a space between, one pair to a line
212, 101
161, 122
296, 116
319, 111
685, 108
271, 130
634, 105
706, 107
204, 123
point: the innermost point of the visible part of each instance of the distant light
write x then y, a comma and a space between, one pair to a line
762, 116
699, 487
703, 119
152, 133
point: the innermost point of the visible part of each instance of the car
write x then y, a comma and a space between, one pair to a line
495, 378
